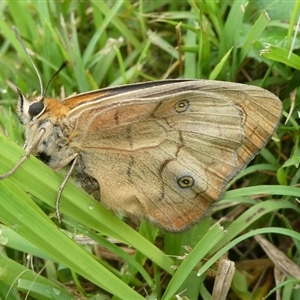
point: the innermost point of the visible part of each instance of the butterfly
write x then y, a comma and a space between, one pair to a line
164, 151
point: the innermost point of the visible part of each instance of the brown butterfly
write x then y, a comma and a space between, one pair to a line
163, 150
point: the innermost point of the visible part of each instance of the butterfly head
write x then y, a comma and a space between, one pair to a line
29, 109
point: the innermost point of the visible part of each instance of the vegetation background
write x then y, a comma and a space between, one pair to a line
108, 43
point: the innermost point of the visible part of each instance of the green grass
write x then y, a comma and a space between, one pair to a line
116, 42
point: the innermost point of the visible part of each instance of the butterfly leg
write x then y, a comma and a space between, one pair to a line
26, 155
73, 157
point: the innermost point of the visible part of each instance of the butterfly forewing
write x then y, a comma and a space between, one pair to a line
166, 152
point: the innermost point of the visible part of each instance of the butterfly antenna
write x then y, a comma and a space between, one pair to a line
31, 61
64, 64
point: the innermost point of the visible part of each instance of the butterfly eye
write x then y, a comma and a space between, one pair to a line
36, 108
182, 105
185, 181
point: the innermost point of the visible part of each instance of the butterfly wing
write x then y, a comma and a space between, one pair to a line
166, 153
